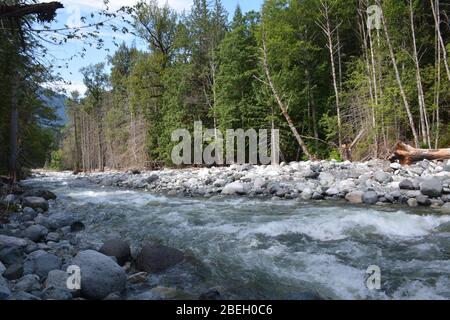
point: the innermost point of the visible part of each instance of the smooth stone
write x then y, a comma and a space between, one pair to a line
412, 202
5, 292
234, 188
52, 293
370, 197
382, 177
2, 268
11, 255
12, 241
423, 200
35, 203
35, 232
42, 263
117, 248
13, 272
355, 197
100, 275
28, 283
406, 185
431, 187
45, 194
158, 258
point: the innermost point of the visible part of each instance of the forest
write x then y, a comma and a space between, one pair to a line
334, 85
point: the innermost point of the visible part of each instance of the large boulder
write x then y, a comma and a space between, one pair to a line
28, 283
234, 188
100, 275
5, 292
158, 258
12, 241
35, 232
431, 187
35, 203
370, 197
47, 195
60, 220
355, 197
117, 248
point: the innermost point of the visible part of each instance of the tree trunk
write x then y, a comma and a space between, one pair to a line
407, 154
436, 15
14, 128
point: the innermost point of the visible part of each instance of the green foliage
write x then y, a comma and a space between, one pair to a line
56, 162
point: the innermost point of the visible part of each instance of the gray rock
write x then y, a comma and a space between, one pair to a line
100, 275
13, 272
2, 268
117, 248
35, 203
406, 185
11, 255
158, 258
382, 177
60, 219
445, 207
5, 292
56, 279
53, 236
412, 202
35, 232
355, 197
234, 188
431, 187
28, 283
47, 195
21, 295
211, 294
52, 293
447, 166
423, 200
12, 241
9, 199
41, 263
395, 166
370, 197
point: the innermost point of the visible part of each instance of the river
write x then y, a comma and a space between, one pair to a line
255, 249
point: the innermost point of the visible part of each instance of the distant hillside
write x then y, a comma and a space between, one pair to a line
56, 101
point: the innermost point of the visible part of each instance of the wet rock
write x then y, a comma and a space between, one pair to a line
406, 185
41, 263
370, 197
431, 187
117, 248
12, 241
2, 268
100, 275
5, 292
158, 258
45, 194
423, 200
211, 294
28, 283
355, 197
13, 272
11, 255
60, 219
35, 203
52, 293
35, 232
76, 226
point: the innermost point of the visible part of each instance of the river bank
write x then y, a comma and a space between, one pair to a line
249, 232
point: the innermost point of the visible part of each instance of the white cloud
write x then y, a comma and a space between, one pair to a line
178, 5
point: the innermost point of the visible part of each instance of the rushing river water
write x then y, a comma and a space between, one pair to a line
256, 249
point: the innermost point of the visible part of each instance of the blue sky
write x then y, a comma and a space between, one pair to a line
73, 9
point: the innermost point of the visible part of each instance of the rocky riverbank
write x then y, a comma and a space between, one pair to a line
38, 244
373, 183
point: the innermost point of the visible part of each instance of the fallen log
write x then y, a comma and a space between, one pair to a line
407, 154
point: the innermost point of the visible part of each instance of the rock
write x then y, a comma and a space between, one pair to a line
158, 258
35, 232
211, 294
114, 296
406, 185
423, 200
9, 199
163, 293
53, 236
13, 272
395, 166
60, 219
355, 197
370, 197
382, 177
21, 295
35, 203
100, 275
28, 283
431, 187
52, 293
447, 166
47, 195
56, 279
117, 248
12, 241
2, 268
152, 178
234, 188
412, 202
76, 226
5, 292
41, 263
11, 255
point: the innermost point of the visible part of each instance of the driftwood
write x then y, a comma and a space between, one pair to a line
407, 154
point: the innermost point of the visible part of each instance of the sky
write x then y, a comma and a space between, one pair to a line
73, 9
